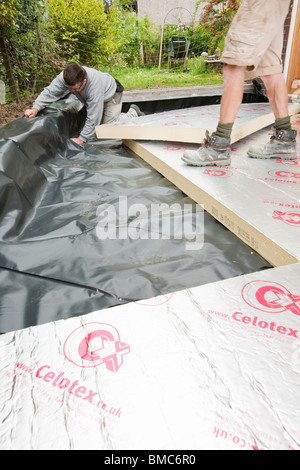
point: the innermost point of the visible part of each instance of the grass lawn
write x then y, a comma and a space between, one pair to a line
150, 77
143, 79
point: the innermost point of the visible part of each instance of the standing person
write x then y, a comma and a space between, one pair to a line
253, 48
99, 92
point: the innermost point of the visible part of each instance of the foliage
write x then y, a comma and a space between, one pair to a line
198, 37
38, 37
143, 33
148, 36
129, 52
8, 13
216, 19
141, 39
21, 33
85, 32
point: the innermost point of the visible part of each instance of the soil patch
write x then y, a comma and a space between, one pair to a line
12, 111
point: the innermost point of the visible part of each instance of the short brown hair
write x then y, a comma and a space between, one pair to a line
74, 74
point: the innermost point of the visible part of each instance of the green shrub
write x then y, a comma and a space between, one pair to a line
85, 32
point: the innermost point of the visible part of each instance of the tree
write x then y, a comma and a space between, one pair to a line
27, 49
8, 14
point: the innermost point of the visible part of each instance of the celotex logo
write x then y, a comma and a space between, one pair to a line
96, 344
290, 218
273, 298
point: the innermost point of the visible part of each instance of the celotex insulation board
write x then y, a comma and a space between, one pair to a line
209, 367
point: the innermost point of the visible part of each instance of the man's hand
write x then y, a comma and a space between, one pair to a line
77, 141
31, 113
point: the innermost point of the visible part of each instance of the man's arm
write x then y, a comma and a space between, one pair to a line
95, 107
54, 92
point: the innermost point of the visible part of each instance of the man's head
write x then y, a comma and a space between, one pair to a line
75, 77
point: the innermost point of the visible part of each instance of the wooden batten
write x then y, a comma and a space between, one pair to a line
293, 75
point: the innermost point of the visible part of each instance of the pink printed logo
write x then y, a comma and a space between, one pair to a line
95, 344
288, 162
171, 148
290, 218
218, 172
270, 297
284, 174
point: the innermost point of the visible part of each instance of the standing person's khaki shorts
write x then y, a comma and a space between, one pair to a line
255, 37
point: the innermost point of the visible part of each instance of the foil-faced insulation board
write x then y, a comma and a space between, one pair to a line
211, 367
214, 367
190, 125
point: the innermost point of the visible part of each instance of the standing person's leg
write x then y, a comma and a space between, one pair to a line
234, 77
232, 97
216, 148
283, 141
253, 47
277, 94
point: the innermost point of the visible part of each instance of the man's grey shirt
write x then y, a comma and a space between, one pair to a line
99, 89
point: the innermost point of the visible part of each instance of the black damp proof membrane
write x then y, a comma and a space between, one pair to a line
151, 106
53, 193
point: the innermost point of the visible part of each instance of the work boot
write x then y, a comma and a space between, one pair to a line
282, 145
214, 150
136, 110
